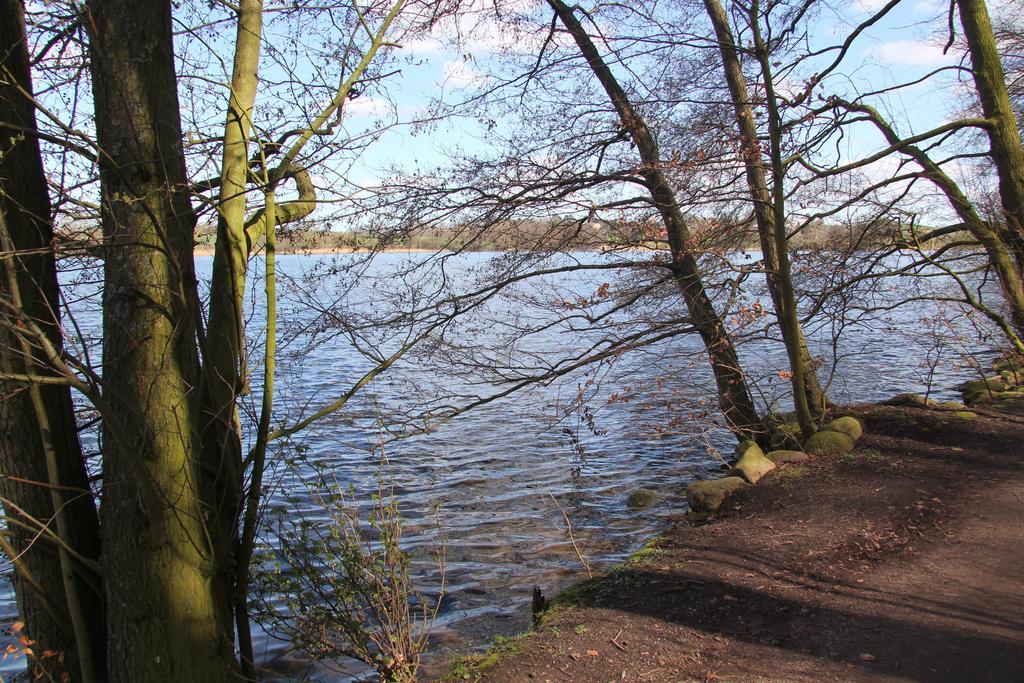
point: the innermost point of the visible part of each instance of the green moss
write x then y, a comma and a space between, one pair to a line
911, 400
572, 595
975, 396
985, 386
641, 498
708, 496
650, 552
827, 442
965, 414
846, 425
743, 446
783, 457
790, 473
471, 667
752, 465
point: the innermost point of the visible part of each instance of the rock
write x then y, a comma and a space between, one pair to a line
985, 398
911, 400
846, 425
640, 498
1010, 366
997, 383
827, 442
975, 396
743, 446
708, 496
782, 457
752, 465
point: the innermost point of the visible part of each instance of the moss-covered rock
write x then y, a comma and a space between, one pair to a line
783, 457
976, 396
984, 386
846, 425
1009, 362
640, 498
743, 446
752, 465
708, 496
911, 400
965, 414
827, 442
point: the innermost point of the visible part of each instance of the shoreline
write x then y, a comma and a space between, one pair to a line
208, 251
821, 571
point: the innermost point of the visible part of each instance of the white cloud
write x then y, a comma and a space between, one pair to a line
460, 73
869, 5
910, 53
368, 106
476, 30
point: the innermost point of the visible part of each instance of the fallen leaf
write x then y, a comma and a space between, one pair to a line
592, 653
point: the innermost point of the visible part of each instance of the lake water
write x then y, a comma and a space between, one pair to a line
503, 474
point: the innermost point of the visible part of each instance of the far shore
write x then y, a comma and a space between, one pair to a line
207, 250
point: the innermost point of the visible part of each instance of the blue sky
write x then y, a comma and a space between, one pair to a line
905, 45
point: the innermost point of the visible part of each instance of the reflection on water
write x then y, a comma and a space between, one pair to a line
497, 471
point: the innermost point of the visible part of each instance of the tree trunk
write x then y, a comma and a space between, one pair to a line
808, 396
42, 594
733, 396
164, 608
223, 377
1004, 137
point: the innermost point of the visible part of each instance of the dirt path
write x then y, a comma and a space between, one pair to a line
902, 561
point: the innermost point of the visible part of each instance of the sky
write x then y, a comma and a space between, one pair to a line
456, 57
903, 46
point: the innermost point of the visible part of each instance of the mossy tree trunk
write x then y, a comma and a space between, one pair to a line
770, 216
223, 376
733, 395
32, 492
160, 566
1003, 134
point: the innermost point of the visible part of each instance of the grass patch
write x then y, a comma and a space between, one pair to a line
471, 667
871, 454
649, 552
790, 473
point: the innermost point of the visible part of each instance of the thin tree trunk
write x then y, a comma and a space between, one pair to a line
27, 485
223, 377
1004, 137
163, 602
733, 395
770, 228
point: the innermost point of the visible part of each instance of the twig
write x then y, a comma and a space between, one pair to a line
572, 539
